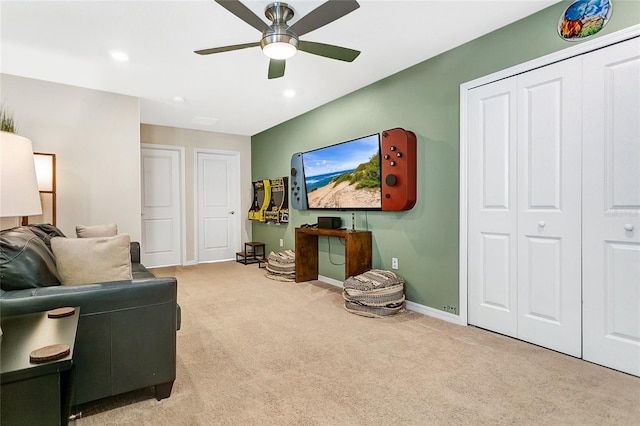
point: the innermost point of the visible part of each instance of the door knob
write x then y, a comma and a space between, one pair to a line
232, 212
628, 227
541, 224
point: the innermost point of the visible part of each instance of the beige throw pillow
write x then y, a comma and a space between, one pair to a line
109, 230
92, 260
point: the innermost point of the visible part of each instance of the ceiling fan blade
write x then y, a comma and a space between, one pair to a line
328, 51
276, 68
244, 13
324, 14
226, 48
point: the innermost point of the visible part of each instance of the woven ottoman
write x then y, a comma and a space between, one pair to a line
281, 266
376, 293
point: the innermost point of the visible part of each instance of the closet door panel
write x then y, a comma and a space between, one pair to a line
492, 255
549, 206
611, 197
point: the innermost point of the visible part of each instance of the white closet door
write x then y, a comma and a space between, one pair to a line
549, 206
611, 197
492, 208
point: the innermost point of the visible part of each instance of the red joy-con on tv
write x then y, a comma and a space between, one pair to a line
399, 169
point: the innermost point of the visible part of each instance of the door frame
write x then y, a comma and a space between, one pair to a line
238, 188
181, 187
580, 49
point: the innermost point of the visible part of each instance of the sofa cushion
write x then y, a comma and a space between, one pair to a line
92, 260
25, 261
108, 230
44, 231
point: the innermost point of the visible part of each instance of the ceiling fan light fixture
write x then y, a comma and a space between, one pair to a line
279, 46
279, 50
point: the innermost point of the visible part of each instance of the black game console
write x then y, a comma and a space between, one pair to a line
329, 222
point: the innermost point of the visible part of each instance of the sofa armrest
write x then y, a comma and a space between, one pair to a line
92, 298
134, 248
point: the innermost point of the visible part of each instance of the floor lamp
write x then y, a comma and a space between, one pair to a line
46, 173
19, 194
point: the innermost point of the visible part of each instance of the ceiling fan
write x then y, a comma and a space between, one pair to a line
281, 41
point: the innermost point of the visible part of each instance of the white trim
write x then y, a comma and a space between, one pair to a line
331, 281
217, 261
183, 190
238, 224
435, 313
580, 49
463, 165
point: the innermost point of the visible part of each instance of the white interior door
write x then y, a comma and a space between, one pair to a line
611, 196
218, 205
549, 206
161, 207
492, 209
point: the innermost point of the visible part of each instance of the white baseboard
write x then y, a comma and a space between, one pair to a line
330, 281
215, 261
435, 313
190, 263
412, 306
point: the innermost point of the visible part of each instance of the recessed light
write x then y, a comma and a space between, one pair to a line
119, 56
290, 93
204, 121
178, 99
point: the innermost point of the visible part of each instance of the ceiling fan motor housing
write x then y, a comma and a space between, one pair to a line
278, 31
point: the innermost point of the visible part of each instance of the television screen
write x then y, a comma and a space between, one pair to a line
345, 175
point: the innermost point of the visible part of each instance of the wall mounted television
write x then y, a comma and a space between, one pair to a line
344, 176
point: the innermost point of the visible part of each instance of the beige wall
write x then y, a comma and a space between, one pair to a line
194, 139
96, 138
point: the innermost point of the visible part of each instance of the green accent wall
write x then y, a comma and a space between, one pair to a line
425, 100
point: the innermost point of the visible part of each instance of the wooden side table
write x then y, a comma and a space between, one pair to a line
36, 393
252, 250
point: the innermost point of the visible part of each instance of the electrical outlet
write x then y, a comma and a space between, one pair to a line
394, 263
450, 309
281, 242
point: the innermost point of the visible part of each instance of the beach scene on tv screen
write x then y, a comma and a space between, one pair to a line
344, 176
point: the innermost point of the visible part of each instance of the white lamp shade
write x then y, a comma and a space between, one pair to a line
19, 194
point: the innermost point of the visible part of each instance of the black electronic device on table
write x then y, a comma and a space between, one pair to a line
329, 222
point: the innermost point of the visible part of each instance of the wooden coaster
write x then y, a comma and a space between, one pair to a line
61, 312
49, 353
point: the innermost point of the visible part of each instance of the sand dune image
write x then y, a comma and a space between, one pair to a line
344, 195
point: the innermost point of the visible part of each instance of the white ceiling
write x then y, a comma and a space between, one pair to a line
69, 42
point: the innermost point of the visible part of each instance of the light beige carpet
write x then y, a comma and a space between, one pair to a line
257, 351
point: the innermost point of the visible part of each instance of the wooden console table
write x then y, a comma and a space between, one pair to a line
357, 251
